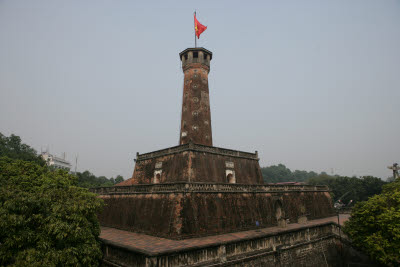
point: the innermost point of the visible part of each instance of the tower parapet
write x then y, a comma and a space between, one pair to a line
196, 55
196, 115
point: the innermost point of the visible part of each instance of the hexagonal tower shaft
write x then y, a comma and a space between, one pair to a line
196, 115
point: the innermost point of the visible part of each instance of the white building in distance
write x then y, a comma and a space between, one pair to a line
56, 162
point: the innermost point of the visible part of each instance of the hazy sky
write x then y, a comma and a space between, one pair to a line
314, 85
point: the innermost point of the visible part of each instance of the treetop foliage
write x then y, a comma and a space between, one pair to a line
88, 180
45, 219
374, 225
12, 147
280, 173
349, 188
342, 187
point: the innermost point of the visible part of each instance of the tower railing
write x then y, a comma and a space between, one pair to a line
205, 187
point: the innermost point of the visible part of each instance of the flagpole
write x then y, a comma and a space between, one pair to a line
194, 22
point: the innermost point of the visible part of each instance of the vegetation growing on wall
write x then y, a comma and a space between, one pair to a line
374, 225
45, 219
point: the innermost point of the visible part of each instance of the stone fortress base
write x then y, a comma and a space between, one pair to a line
183, 210
199, 205
315, 243
220, 224
186, 223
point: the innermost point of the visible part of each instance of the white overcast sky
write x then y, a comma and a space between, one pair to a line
314, 85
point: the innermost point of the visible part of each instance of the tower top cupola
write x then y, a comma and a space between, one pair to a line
197, 55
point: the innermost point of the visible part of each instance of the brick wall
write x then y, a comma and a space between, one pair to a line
180, 215
313, 246
203, 165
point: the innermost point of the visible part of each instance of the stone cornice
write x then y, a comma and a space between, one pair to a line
185, 187
197, 148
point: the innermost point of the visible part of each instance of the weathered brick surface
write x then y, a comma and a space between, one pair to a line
175, 168
211, 168
311, 244
181, 215
196, 115
235, 242
193, 166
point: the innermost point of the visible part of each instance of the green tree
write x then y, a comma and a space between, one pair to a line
276, 173
12, 147
87, 179
45, 220
374, 225
280, 173
349, 188
119, 179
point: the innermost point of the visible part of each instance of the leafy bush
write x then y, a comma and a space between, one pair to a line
374, 225
45, 220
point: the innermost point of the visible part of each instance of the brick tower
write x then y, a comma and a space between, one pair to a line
196, 117
195, 159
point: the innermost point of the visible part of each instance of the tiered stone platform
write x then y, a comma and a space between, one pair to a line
196, 163
185, 210
195, 204
312, 243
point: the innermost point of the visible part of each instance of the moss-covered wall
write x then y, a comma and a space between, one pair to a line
174, 168
182, 215
212, 167
193, 166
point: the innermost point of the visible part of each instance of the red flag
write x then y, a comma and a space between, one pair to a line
198, 27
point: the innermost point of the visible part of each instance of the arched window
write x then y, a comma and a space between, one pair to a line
157, 178
230, 179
